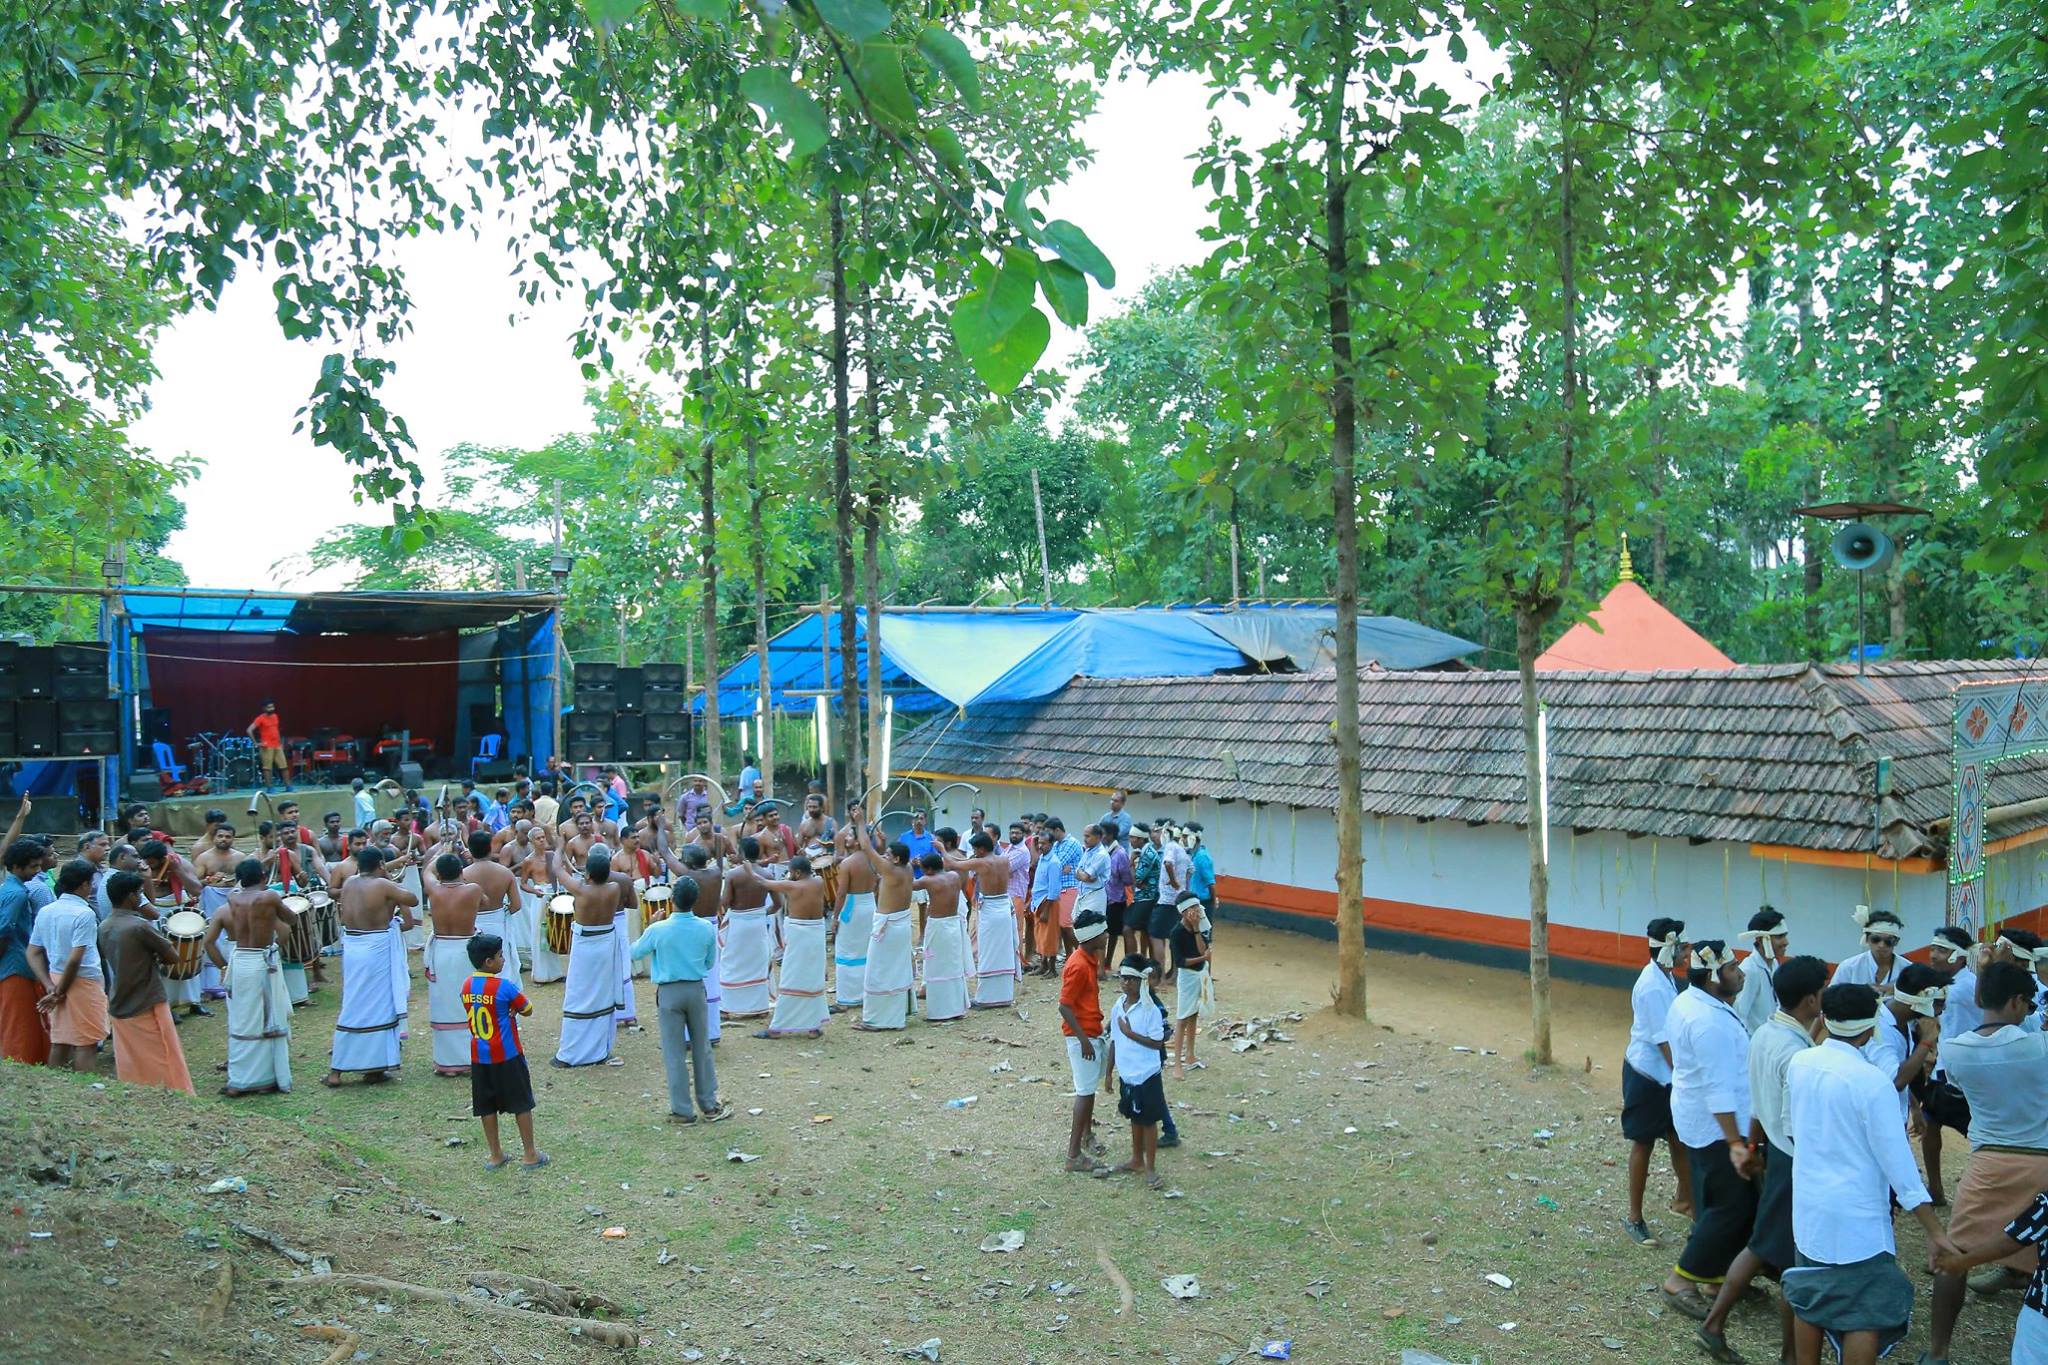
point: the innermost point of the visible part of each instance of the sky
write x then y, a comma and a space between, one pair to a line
482, 366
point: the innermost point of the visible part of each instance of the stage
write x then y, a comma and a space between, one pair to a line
185, 816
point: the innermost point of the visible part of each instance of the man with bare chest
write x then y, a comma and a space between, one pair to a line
375, 911
945, 940
995, 926
453, 905
800, 1007
497, 913
590, 999
885, 1004
854, 921
259, 1005
747, 959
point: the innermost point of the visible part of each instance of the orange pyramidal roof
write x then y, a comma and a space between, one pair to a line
1636, 633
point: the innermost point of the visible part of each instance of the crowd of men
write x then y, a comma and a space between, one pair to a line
737, 915
1788, 1094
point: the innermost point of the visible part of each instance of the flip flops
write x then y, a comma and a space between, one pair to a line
500, 1164
544, 1160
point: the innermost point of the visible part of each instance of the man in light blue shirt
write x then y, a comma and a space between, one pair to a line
365, 805
683, 947
750, 773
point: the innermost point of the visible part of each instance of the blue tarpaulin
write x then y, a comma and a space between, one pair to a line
937, 658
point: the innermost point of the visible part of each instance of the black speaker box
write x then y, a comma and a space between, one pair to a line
588, 724
80, 658
77, 687
411, 775
98, 714
596, 698
35, 672
668, 726
488, 774
629, 739
665, 677
35, 727
156, 725
88, 743
667, 748
596, 675
631, 690
590, 748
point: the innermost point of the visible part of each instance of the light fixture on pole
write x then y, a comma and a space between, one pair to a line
888, 725
824, 734
114, 566
1542, 812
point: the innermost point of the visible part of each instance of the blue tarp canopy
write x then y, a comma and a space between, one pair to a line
936, 658
374, 613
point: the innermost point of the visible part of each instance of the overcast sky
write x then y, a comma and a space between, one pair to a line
481, 366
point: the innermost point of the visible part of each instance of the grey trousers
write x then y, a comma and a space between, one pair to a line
686, 1029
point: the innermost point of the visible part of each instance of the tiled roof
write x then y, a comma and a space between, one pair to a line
1775, 754
1631, 630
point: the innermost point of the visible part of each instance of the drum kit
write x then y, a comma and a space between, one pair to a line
223, 760
186, 929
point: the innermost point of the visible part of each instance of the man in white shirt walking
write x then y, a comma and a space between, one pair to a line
1768, 943
1646, 1077
1843, 1117
1798, 982
1710, 1114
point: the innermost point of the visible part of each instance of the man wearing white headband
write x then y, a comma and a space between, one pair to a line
1646, 1077
2003, 1070
1768, 942
1086, 1036
1903, 1048
2025, 948
1843, 1120
1710, 1113
1879, 961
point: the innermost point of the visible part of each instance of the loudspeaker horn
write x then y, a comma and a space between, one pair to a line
1862, 547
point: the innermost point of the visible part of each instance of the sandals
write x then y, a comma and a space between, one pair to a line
1691, 1305
500, 1164
543, 1160
1716, 1346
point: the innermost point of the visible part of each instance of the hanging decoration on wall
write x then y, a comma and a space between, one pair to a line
1994, 723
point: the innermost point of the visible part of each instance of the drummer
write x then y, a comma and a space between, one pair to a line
168, 880
500, 888
816, 827
778, 841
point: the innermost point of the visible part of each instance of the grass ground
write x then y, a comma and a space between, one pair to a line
1348, 1190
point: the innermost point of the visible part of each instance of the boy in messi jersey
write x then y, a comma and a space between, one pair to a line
498, 1083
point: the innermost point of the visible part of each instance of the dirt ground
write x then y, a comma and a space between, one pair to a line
1347, 1189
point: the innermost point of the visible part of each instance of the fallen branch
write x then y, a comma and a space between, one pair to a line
604, 1333
1116, 1277
275, 1243
992, 1038
558, 1297
345, 1341
217, 1306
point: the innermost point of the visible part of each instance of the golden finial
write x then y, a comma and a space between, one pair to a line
1628, 566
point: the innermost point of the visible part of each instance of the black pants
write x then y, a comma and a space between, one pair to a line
1724, 1212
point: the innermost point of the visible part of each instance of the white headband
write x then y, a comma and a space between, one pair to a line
1133, 972
1849, 1028
1761, 938
1705, 959
1667, 948
1955, 953
2022, 953
1861, 914
1922, 1003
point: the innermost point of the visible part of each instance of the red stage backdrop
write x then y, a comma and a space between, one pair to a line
217, 680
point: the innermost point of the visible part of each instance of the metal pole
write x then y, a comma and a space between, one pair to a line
1044, 558
1235, 591
622, 632
825, 683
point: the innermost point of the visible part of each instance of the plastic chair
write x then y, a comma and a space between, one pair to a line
164, 761
487, 750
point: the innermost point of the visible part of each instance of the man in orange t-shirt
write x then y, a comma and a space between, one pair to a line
266, 731
1087, 1039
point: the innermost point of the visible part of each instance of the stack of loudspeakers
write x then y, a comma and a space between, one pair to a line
628, 715
55, 700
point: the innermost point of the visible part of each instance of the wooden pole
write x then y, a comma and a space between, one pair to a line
1044, 558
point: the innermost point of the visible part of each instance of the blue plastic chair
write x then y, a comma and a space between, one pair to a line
164, 764
487, 750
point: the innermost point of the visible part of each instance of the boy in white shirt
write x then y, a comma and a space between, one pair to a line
1137, 1043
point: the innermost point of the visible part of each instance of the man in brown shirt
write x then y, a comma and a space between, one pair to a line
146, 1046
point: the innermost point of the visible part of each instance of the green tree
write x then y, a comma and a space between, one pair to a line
978, 531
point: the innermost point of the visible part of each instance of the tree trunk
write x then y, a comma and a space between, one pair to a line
1528, 637
871, 517
765, 678
1890, 457
1350, 994
842, 502
714, 757
1660, 467
1812, 557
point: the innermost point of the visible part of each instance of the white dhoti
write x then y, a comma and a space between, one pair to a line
995, 953
747, 954
547, 964
415, 937
886, 1002
505, 924
1194, 994
590, 1000
800, 1005
850, 956
259, 1021
366, 1028
448, 961
211, 986
627, 1012
945, 967
714, 989
401, 978
522, 923
636, 923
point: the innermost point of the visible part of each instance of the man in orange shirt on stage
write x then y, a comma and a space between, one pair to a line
265, 730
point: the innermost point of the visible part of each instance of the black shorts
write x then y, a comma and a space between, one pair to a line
1113, 911
1771, 1237
500, 1087
1164, 917
1144, 1102
1645, 1107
